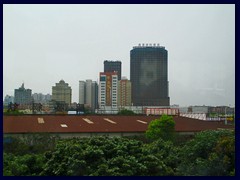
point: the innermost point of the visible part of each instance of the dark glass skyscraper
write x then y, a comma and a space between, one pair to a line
149, 75
111, 66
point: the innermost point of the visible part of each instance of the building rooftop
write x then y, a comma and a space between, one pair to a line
112, 61
149, 45
100, 123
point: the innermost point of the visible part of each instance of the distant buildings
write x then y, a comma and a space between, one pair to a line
149, 75
41, 98
8, 99
62, 92
198, 109
108, 89
124, 93
22, 96
218, 110
111, 66
88, 94
222, 110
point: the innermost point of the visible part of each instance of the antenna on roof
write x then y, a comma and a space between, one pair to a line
23, 84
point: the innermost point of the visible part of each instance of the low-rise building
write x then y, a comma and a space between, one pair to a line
68, 126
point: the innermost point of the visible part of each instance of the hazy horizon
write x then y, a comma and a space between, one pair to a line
43, 44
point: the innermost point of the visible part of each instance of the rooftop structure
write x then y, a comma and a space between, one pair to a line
113, 66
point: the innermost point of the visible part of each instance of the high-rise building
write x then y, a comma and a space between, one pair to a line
88, 93
112, 66
62, 92
82, 92
149, 75
23, 96
124, 93
94, 103
108, 89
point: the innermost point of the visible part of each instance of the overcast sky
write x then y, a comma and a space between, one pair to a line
43, 44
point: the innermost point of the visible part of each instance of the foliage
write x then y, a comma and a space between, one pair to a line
209, 153
15, 146
15, 112
26, 165
182, 139
161, 128
102, 156
31, 143
126, 112
166, 153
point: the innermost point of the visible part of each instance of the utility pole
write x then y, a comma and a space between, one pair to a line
225, 115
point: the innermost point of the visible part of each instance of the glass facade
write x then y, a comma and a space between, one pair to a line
111, 66
149, 76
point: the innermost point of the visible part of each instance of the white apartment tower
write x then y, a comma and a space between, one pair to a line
108, 89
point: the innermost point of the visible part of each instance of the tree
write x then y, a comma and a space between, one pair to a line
126, 112
209, 153
26, 165
35, 143
161, 128
166, 157
102, 156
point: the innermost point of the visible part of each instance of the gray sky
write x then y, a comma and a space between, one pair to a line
43, 44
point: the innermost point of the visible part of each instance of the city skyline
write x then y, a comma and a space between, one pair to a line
43, 44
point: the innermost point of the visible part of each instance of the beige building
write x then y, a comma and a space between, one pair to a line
124, 93
62, 92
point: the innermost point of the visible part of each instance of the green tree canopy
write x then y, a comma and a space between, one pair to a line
161, 128
210, 153
126, 112
102, 156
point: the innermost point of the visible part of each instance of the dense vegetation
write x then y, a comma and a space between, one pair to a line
208, 153
160, 153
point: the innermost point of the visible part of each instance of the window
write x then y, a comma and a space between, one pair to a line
102, 78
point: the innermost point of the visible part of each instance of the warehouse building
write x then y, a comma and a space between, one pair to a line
87, 126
